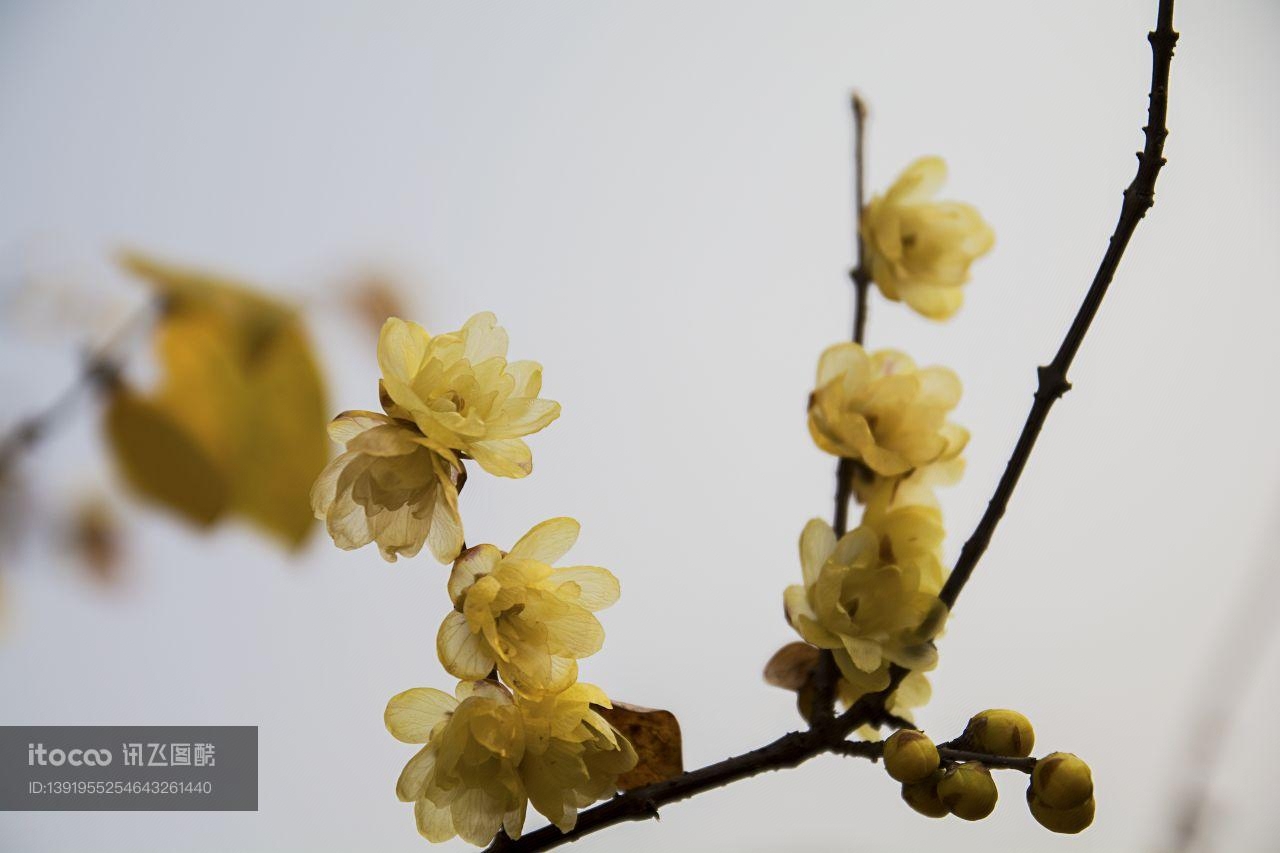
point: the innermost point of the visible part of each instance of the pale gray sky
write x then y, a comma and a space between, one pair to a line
654, 198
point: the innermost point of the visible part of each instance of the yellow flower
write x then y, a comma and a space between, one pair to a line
465, 780
883, 411
919, 250
871, 597
488, 754
514, 611
462, 392
573, 756
392, 486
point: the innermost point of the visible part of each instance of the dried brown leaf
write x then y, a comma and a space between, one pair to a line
791, 666
655, 735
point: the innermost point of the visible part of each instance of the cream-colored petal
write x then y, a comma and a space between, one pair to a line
387, 440
523, 416
817, 542
484, 338
413, 778
865, 654
477, 817
411, 715
576, 634
472, 564
846, 361
507, 457
347, 425
548, 541
918, 182
934, 302
527, 376
596, 588
464, 655
434, 823
402, 349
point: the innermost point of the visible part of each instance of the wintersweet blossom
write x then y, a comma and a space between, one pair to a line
465, 780
871, 597
883, 411
573, 756
488, 753
920, 250
514, 611
462, 393
393, 486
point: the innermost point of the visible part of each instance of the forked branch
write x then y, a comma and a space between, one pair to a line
829, 735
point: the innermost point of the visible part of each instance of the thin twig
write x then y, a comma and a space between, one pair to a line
1138, 199
826, 675
99, 369
795, 748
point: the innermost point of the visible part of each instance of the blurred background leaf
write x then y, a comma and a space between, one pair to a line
237, 424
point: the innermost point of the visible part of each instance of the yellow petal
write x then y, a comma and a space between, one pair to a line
473, 563
522, 417
414, 776
350, 424
434, 823
548, 541
402, 349
918, 182
817, 542
506, 457
464, 654
596, 588
484, 338
411, 715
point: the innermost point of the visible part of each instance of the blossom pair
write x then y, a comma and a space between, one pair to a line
446, 398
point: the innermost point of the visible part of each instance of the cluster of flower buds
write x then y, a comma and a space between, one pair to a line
954, 780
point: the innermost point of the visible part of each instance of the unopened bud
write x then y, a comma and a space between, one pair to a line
1068, 821
1001, 732
968, 791
910, 756
1062, 781
923, 796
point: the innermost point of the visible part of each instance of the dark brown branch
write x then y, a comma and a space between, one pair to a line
828, 735
826, 673
1138, 199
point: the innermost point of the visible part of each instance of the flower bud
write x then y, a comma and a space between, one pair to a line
923, 796
968, 791
1061, 781
1069, 821
1001, 732
910, 756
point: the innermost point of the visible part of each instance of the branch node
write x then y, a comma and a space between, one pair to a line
1053, 384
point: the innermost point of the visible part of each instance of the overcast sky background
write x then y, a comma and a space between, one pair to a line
654, 198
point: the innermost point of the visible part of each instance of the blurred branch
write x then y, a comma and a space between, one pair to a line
1138, 199
826, 674
100, 368
1234, 664
828, 734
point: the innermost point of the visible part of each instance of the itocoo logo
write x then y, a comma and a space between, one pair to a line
38, 755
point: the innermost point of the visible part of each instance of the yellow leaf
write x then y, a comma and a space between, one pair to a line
241, 385
162, 461
655, 735
286, 445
